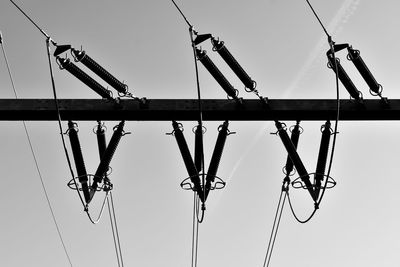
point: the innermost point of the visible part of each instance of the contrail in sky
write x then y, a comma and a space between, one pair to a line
347, 9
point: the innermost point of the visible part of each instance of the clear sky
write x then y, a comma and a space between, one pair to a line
146, 44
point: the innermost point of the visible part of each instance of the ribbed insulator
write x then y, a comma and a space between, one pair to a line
100, 71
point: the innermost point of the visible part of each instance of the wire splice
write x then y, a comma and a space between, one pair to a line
216, 73
187, 159
107, 157
216, 156
322, 157
81, 56
65, 63
220, 47
78, 158
294, 156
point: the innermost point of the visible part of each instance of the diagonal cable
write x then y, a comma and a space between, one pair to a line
34, 158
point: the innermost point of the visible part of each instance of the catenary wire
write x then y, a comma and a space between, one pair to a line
274, 230
34, 158
195, 230
113, 233
26, 15
114, 226
335, 131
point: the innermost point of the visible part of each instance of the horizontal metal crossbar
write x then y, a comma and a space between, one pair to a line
187, 109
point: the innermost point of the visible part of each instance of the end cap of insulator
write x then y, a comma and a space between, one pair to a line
217, 45
1, 37
63, 61
200, 53
79, 54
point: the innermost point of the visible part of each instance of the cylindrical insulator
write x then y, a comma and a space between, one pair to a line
78, 158
187, 159
295, 140
100, 71
107, 156
233, 64
294, 156
322, 157
83, 77
216, 156
198, 148
101, 139
354, 56
216, 73
343, 77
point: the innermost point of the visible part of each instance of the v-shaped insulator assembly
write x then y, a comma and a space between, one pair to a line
294, 156
187, 159
78, 158
106, 157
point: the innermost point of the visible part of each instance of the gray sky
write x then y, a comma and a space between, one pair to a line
146, 44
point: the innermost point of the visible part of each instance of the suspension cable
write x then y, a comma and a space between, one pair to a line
275, 228
200, 109
335, 131
316, 16
26, 15
195, 230
114, 228
34, 156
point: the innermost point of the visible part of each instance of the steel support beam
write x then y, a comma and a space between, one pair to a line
187, 110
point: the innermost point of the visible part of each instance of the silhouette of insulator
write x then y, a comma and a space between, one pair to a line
65, 63
343, 77
295, 140
198, 148
294, 156
81, 56
78, 158
216, 156
187, 159
107, 156
101, 139
233, 64
322, 157
354, 56
216, 73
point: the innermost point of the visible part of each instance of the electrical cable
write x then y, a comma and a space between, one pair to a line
335, 131
274, 230
195, 230
34, 157
114, 226
86, 208
113, 233
200, 119
37, 26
